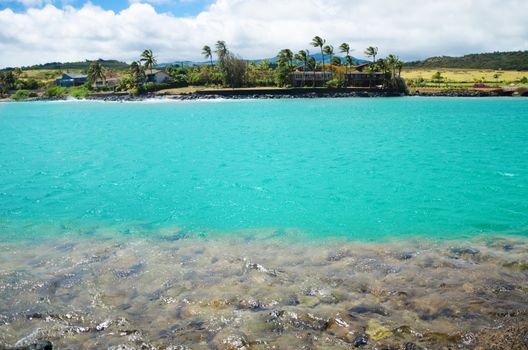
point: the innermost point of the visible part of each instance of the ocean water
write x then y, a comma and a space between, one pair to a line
259, 224
367, 169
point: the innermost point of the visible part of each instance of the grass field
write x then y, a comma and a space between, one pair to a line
468, 76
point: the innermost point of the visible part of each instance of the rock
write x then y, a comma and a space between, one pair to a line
458, 251
411, 346
40, 345
225, 341
284, 320
340, 329
360, 340
377, 331
363, 309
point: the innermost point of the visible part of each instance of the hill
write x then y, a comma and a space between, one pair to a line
109, 64
272, 60
514, 60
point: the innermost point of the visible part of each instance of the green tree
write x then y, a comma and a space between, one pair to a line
148, 59
345, 48
302, 56
329, 50
96, 72
7, 81
233, 69
208, 54
437, 76
286, 56
372, 51
319, 42
312, 65
336, 61
221, 49
137, 72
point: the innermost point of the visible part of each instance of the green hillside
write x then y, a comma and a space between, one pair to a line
515, 60
83, 65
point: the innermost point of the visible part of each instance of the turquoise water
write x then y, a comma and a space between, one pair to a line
362, 168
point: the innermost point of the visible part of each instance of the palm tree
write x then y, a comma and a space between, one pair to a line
372, 51
345, 48
221, 49
207, 53
336, 61
137, 72
312, 64
319, 42
286, 55
329, 50
302, 56
149, 60
96, 72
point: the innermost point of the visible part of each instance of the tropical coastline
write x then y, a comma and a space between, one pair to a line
162, 188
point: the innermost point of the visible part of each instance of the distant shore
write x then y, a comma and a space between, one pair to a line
277, 93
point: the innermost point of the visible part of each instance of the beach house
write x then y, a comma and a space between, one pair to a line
358, 77
71, 79
158, 76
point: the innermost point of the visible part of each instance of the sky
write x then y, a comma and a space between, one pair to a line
40, 31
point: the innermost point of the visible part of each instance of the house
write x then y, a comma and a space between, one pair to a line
364, 79
300, 78
158, 76
111, 80
71, 79
357, 78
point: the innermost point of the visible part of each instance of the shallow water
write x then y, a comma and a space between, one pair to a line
265, 224
256, 292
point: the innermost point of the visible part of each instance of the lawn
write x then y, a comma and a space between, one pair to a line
467, 76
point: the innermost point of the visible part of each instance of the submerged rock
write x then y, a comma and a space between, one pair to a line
40, 345
284, 320
377, 331
363, 309
360, 340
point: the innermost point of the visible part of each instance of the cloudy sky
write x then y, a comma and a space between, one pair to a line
39, 31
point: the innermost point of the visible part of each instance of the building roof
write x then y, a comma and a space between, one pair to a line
74, 75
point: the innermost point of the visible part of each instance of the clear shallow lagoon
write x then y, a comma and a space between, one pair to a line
364, 168
264, 223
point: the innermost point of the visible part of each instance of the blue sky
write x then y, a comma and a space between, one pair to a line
183, 8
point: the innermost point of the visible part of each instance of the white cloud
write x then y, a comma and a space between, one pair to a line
259, 28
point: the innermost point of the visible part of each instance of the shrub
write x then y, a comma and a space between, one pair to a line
22, 94
28, 84
55, 91
79, 92
524, 80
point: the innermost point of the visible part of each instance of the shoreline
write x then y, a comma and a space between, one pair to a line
239, 94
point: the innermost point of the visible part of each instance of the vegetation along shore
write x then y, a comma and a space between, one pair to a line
325, 72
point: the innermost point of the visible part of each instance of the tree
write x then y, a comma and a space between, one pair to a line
336, 61
302, 56
147, 57
286, 56
7, 81
329, 50
319, 42
345, 48
137, 72
208, 54
437, 76
96, 72
221, 49
312, 65
234, 70
372, 51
